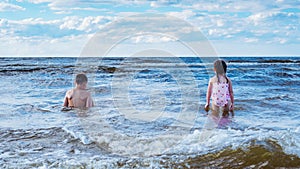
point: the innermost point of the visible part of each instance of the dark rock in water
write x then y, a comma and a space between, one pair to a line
107, 69
280, 61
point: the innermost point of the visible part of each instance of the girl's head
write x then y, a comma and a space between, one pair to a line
220, 67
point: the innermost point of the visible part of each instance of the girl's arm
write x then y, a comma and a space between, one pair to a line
231, 95
208, 95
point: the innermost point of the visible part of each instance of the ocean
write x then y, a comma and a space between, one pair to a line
148, 114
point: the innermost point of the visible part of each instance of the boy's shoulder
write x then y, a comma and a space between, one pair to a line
82, 92
85, 93
69, 92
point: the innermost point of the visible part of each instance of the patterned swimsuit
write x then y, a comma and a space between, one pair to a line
220, 94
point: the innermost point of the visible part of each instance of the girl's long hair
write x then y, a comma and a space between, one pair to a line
220, 68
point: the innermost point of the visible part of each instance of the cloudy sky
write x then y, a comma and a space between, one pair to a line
64, 27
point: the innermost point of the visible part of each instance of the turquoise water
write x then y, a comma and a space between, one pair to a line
148, 114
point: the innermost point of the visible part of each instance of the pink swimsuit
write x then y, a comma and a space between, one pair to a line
220, 94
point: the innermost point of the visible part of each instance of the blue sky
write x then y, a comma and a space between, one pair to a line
234, 28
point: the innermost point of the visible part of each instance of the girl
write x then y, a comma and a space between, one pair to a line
220, 89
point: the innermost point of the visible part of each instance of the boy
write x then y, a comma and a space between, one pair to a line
79, 97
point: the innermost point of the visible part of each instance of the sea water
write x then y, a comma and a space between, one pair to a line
148, 114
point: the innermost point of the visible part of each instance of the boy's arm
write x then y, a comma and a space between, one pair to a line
66, 101
89, 101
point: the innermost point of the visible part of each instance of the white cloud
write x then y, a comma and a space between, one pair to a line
67, 26
224, 6
35, 1
185, 14
250, 22
40, 37
70, 5
253, 6
278, 25
160, 3
151, 39
279, 40
200, 5
276, 16
220, 23
70, 23
39, 1
86, 24
251, 40
66, 6
10, 7
245, 24
37, 46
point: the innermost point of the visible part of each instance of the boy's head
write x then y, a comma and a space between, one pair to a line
220, 66
81, 79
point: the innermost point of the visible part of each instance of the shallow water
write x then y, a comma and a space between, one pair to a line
149, 114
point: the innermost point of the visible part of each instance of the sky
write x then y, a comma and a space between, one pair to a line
233, 28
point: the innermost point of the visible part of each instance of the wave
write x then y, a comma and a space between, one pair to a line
58, 147
257, 155
279, 97
34, 148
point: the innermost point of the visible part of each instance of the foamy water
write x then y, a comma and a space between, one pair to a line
149, 113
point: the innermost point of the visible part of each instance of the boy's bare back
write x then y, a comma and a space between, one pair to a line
79, 97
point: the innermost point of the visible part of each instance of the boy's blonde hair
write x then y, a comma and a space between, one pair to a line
81, 78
